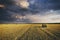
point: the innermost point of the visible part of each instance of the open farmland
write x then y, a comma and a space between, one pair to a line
29, 32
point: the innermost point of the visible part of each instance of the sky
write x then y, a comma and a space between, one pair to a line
29, 11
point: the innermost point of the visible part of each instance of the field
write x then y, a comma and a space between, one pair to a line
29, 32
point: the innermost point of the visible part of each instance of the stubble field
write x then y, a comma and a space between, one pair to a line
29, 32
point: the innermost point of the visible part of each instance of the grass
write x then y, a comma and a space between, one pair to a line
11, 31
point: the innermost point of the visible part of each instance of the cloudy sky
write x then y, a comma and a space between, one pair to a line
29, 11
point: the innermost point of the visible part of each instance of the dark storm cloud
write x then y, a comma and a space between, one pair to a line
10, 8
36, 7
53, 4
45, 5
4, 14
6, 2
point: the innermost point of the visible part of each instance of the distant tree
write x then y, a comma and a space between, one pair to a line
44, 25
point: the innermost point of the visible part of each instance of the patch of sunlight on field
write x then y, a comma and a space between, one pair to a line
53, 26
11, 27
11, 31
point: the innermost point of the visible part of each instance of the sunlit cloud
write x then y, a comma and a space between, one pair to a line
22, 3
2, 5
49, 17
